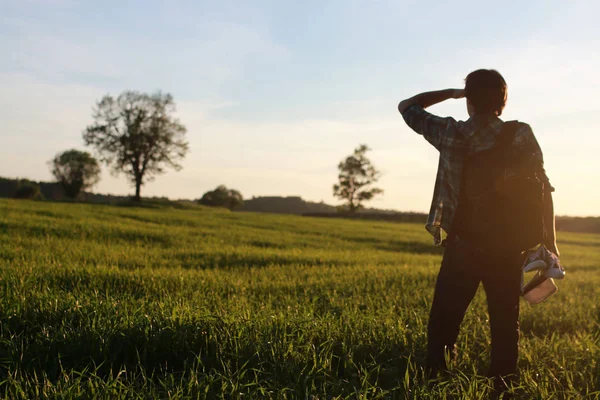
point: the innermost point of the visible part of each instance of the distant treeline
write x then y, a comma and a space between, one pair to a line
48, 190
272, 204
284, 205
296, 205
578, 224
375, 216
53, 191
566, 224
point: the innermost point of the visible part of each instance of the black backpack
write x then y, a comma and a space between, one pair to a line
501, 198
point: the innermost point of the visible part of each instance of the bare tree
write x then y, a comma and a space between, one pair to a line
136, 134
356, 176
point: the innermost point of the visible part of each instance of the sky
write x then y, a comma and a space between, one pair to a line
275, 93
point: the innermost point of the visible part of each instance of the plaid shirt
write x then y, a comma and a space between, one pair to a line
457, 140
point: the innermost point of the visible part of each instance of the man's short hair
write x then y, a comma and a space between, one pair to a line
486, 91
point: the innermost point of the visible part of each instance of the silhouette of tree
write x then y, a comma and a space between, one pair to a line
356, 176
75, 170
136, 134
222, 197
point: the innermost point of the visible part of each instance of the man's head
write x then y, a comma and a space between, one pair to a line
486, 92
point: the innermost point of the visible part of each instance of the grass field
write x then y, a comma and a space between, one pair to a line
116, 302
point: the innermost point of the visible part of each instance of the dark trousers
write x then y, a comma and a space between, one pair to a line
463, 268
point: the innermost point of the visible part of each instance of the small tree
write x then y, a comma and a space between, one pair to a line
356, 176
222, 197
136, 134
75, 170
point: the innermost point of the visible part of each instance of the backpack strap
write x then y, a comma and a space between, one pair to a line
507, 135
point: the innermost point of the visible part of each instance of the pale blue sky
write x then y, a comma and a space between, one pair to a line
275, 93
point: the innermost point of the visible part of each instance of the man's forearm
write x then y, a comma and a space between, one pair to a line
428, 99
549, 223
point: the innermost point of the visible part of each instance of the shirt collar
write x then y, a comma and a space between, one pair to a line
479, 119
480, 122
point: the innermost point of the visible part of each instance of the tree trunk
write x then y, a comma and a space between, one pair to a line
138, 185
351, 207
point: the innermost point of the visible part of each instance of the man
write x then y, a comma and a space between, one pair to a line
475, 252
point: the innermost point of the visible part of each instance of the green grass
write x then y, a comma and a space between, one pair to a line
121, 302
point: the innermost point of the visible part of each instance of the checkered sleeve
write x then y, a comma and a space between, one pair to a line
442, 133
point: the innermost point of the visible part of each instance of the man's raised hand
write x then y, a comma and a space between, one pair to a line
428, 99
458, 93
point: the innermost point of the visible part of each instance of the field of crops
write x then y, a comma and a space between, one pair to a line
120, 302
